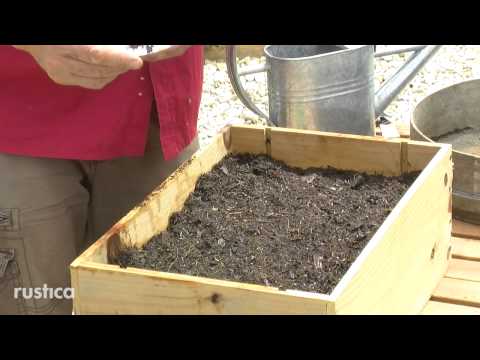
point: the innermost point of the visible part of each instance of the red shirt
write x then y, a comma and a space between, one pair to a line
43, 119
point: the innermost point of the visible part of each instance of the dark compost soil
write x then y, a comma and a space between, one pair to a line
255, 220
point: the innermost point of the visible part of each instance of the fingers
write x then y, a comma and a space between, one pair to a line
77, 65
89, 83
83, 81
107, 55
89, 66
64, 73
81, 68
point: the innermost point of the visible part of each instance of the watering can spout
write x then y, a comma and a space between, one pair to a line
327, 87
393, 86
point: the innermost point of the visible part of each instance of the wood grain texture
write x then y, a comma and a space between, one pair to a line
106, 289
464, 270
468, 249
441, 308
456, 291
247, 139
401, 265
465, 230
306, 149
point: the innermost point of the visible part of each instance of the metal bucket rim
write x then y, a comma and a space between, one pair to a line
356, 48
427, 97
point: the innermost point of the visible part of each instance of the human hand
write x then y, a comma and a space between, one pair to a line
88, 66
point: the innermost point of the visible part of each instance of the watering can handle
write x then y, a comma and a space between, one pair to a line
383, 97
231, 61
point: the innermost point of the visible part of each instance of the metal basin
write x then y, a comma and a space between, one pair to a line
453, 111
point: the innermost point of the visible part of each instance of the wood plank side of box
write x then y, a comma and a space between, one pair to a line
395, 273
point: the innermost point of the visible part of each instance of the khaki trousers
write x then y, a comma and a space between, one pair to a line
51, 210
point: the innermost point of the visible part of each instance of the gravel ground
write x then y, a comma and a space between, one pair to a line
220, 106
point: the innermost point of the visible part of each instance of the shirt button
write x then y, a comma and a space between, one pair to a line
140, 94
189, 100
142, 78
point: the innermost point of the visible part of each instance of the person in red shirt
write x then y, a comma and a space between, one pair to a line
86, 132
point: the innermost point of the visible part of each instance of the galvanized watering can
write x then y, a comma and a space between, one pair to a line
326, 87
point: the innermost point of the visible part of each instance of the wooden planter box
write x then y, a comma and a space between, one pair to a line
396, 272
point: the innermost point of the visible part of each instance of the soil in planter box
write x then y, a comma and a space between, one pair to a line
255, 220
